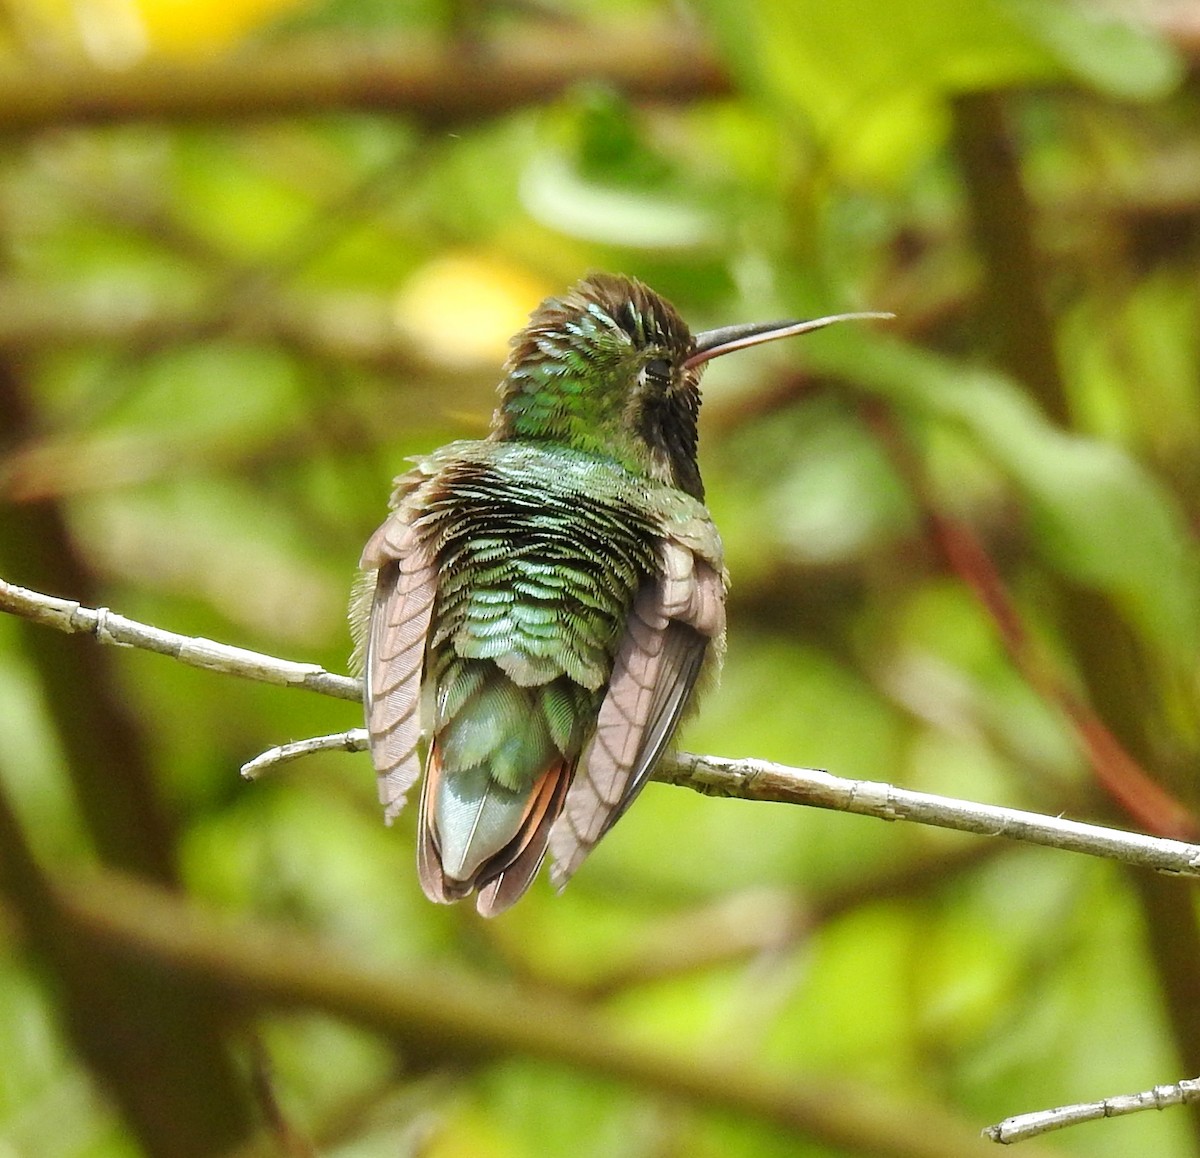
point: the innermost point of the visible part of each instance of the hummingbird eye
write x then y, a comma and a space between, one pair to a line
657, 371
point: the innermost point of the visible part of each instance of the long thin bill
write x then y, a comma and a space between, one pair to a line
713, 343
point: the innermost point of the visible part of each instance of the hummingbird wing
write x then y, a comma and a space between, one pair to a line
405, 585
673, 623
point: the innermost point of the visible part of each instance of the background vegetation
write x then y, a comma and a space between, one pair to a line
253, 255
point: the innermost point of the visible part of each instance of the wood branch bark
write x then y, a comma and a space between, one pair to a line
126, 1017
437, 1022
437, 85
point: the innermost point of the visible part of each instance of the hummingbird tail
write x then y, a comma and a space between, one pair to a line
529, 847
513, 830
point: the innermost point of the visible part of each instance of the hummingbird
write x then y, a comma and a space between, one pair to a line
537, 611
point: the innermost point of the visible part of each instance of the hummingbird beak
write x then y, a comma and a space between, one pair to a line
713, 343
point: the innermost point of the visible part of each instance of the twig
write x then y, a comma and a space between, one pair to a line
1022, 1126
782, 784
709, 775
108, 627
354, 740
761, 780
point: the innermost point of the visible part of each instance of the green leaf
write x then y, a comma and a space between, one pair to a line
871, 78
1115, 56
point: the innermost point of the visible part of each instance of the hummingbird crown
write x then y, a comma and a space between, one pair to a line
602, 370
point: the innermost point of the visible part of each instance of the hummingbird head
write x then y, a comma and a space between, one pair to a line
613, 370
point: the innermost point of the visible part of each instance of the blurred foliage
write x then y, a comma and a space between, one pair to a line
230, 336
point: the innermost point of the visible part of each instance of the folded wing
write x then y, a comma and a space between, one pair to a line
405, 586
673, 623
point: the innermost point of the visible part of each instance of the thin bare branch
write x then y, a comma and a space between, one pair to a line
709, 775
108, 627
1022, 1126
762, 780
354, 740
781, 784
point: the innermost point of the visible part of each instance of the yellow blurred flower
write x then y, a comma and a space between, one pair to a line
461, 309
197, 27
119, 33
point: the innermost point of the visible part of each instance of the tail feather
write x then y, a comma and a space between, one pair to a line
524, 857
503, 877
434, 882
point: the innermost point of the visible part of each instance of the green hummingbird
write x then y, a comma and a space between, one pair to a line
540, 605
